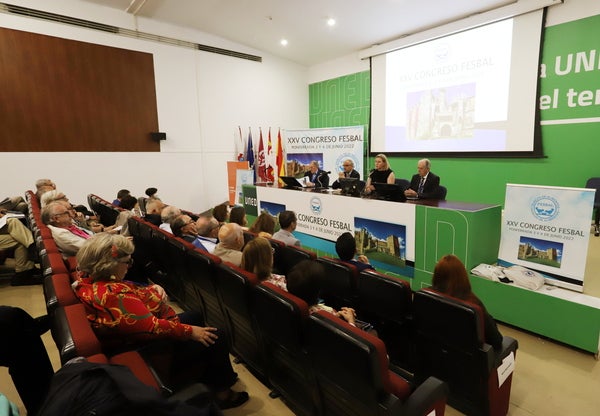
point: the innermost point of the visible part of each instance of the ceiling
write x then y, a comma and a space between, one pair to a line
261, 24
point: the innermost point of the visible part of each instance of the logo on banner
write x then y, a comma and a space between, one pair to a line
315, 205
545, 208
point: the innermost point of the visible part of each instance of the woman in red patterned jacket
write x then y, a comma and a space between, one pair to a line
123, 313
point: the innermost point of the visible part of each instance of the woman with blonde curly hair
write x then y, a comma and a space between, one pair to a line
124, 313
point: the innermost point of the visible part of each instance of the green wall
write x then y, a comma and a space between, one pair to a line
571, 150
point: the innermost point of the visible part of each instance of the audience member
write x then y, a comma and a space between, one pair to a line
51, 196
14, 203
15, 235
345, 247
237, 215
347, 172
168, 214
208, 232
24, 353
231, 241
124, 313
120, 195
287, 222
68, 237
424, 184
153, 211
184, 227
317, 177
381, 174
42, 186
129, 204
257, 258
450, 277
151, 193
264, 226
221, 212
304, 281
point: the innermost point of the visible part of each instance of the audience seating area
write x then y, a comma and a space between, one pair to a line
318, 364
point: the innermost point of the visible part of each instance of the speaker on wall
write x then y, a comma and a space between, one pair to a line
158, 136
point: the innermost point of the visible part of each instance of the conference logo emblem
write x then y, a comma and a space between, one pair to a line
315, 205
545, 208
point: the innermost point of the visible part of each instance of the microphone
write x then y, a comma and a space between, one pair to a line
325, 173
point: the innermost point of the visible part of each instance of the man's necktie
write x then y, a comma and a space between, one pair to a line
421, 184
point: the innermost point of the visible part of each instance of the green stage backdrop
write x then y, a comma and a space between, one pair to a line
570, 123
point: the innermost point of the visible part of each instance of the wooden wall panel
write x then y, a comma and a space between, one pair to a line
63, 95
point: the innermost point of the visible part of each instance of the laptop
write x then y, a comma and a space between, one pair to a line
389, 192
351, 186
291, 182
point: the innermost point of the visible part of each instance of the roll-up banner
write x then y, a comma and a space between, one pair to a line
547, 229
328, 146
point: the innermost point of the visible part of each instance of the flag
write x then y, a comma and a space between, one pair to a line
240, 146
250, 150
280, 161
269, 161
261, 163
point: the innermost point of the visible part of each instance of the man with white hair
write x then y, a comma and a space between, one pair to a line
231, 241
168, 214
424, 184
68, 237
43, 185
208, 231
347, 172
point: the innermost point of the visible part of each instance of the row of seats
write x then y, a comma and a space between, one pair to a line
70, 328
230, 298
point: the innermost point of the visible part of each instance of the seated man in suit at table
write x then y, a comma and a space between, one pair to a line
348, 172
425, 184
345, 247
316, 176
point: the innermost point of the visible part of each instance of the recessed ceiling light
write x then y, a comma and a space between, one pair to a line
331, 21
283, 42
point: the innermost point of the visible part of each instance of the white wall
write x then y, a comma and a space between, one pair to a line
202, 98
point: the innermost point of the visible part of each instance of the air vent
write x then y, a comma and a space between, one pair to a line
88, 24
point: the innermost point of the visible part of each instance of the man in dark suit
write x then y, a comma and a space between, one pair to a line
348, 172
425, 184
317, 177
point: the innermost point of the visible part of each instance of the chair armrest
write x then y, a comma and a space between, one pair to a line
431, 393
508, 345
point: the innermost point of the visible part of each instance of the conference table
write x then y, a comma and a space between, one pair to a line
415, 232
408, 238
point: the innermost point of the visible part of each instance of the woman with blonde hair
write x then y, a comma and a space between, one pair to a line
381, 174
450, 277
257, 258
125, 314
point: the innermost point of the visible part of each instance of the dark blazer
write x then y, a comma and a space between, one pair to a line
431, 187
320, 179
353, 174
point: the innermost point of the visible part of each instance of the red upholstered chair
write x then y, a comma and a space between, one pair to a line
281, 318
353, 376
58, 292
340, 285
450, 346
386, 303
286, 257
235, 287
203, 269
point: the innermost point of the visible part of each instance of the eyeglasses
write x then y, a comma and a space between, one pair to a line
61, 213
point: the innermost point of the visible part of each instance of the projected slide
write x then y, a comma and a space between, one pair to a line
472, 91
455, 90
